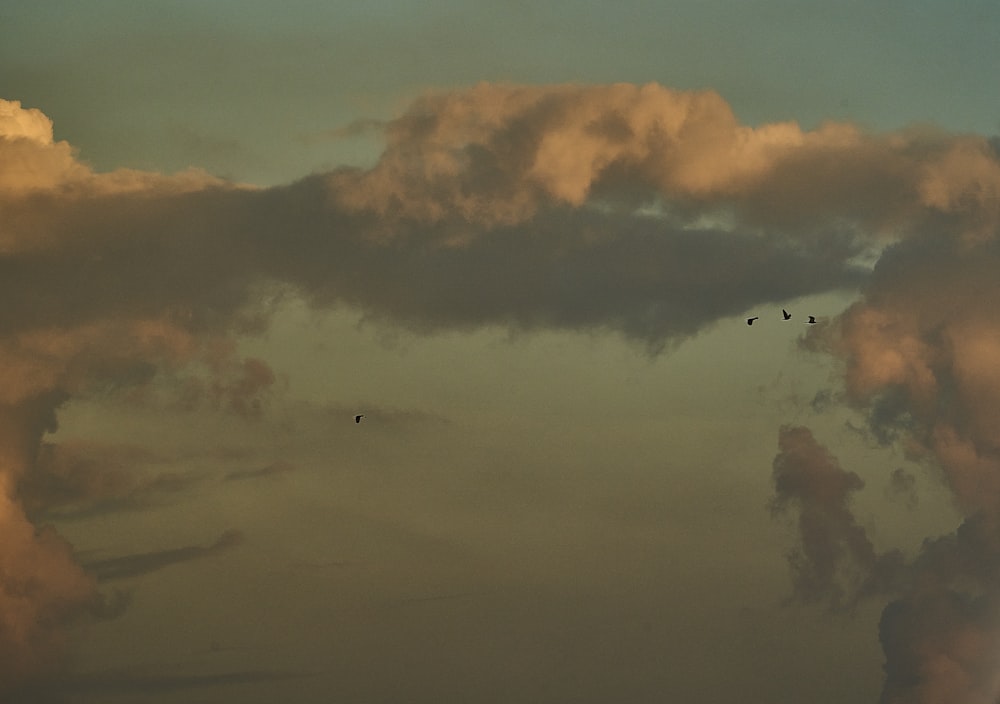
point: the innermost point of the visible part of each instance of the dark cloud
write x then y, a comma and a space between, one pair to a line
143, 563
269, 470
651, 278
835, 560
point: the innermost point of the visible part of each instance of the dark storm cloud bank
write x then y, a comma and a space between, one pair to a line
210, 262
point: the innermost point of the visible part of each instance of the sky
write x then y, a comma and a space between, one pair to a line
524, 242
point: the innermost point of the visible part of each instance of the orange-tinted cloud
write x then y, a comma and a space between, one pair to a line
649, 212
498, 154
42, 590
920, 353
42, 587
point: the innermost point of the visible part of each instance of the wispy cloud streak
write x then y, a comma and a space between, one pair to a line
143, 563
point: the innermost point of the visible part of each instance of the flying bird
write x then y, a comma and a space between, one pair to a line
786, 315
357, 418
812, 320
750, 320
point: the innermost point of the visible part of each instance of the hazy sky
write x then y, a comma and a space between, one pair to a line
524, 241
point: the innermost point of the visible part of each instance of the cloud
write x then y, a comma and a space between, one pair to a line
635, 209
919, 353
836, 561
42, 591
137, 564
79, 478
29, 124
32, 162
499, 154
266, 471
941, 647
940, 631
42, 587
30, 157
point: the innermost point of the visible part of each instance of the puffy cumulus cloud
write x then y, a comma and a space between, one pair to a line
637, 209
17, 122
65, 337
497, 154
940, 631
42, 590
941, 648
965, 183
42, 587
29, 158
32, 161
919, 353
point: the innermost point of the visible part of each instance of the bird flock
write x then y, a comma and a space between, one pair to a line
785, 315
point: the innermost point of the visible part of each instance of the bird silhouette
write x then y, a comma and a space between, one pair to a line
750, 320
357, 418
785, 314
812, 320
